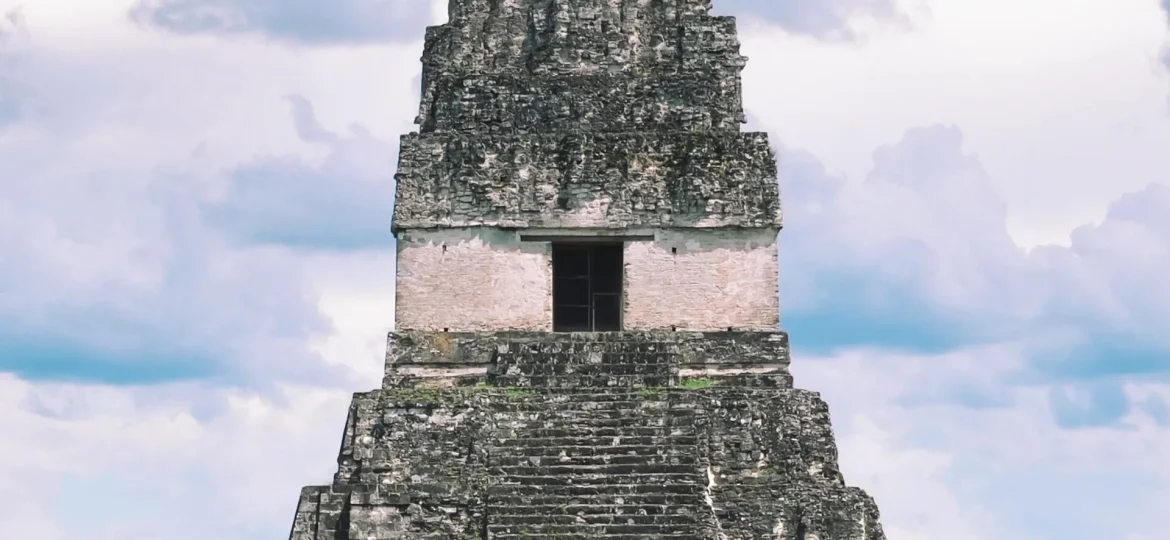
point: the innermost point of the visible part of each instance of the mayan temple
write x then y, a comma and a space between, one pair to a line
588, 339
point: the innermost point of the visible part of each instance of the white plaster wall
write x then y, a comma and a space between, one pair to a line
475, 283
716, 280
487, 280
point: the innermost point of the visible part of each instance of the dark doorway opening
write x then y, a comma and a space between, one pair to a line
587, 287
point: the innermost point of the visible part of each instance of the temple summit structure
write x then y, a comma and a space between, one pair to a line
587, 339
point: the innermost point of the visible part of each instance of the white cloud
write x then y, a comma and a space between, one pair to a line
942, 469
836, 20
103, 194
1054, 96
297, 21
1057, 112
99, 462
918, 256
357, 294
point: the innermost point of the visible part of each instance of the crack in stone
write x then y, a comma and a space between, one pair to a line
710, 500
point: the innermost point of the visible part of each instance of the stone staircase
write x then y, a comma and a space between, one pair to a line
608, 436
575, 364
581, 464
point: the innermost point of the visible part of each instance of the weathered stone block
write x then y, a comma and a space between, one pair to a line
542, 359
587, 180
580, 36
601, 102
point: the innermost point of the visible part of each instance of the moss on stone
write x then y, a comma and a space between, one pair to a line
698, 384
650, 392
417, 395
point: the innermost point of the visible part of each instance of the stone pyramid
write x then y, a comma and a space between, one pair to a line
587, 309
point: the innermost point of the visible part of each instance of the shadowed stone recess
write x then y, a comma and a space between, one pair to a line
569, 117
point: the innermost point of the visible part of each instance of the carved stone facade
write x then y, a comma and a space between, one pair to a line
549, 126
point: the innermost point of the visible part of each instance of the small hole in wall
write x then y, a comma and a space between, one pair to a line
444, 248
446, 330
674, 329
674, 250
730, 329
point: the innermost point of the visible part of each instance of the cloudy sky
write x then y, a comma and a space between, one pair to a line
196, 272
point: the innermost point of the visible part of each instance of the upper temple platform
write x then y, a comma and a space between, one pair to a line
507, 66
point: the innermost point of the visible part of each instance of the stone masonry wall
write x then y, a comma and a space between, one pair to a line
472, 280
459, 281
503, 66
584, 113
582, 180
703, 281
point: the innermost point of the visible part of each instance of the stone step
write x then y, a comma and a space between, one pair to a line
495, 530
553, 452
583, 421
578, 381
634, 494
634, 352
632, 420
606, 479
617, 489
591, 395
688, 507
582, 471
593, 496
544, 430
595, 536
593, 460
607, 410
647, 402
545, 399
641, 352
594, 357
562, 518
601, 418
530, 442
607, 435
585, 370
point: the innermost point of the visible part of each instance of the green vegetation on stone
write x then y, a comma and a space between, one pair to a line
651, 392
697, 384
424, 395
418, 395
